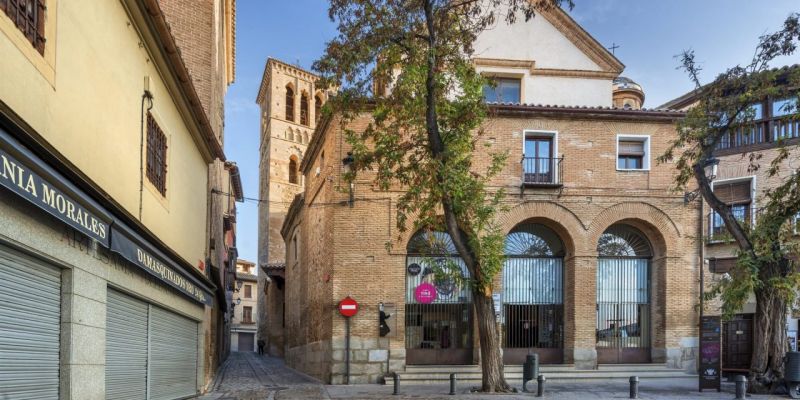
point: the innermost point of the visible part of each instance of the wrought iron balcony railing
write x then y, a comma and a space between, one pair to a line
541, 171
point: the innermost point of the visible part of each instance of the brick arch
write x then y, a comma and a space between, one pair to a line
658, 227
555, 216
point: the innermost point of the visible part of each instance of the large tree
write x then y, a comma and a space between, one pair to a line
425, 124
766, 265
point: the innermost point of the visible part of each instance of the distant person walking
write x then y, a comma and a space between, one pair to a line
261, 347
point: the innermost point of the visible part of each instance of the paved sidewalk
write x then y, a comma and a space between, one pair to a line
248, 376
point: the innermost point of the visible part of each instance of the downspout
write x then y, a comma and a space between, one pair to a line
145, 96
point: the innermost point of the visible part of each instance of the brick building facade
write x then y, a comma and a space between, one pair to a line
334, 251
290, 107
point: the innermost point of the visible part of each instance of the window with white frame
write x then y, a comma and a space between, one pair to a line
633, 152
738, 196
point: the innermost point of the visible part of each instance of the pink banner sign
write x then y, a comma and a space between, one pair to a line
425, 293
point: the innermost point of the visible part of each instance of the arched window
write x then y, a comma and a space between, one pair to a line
304, 108
293, 170
533, 293
317, 107
289, 103
533, 240
623, 328
438, 310
623, 241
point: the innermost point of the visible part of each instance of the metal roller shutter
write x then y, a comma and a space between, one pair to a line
126, 347
173, 368
30, 317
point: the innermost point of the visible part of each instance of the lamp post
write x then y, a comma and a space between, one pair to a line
347, 164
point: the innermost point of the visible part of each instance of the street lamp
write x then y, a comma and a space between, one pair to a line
347, 164
711, 166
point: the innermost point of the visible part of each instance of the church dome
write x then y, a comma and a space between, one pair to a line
627, 94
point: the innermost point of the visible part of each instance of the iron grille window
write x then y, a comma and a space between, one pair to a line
28, 16
156, 155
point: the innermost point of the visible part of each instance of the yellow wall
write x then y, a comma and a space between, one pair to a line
84, 96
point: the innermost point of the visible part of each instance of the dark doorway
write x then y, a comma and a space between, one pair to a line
737, 342
245, 342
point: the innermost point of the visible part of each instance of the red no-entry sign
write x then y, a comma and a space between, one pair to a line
348, 307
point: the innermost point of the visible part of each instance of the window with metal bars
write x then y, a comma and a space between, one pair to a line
156, 155
29, 17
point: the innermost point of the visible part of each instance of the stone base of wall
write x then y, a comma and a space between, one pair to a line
584, 358
369, 360
685, 356
313, 359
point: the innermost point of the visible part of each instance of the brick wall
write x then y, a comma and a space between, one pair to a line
351, 243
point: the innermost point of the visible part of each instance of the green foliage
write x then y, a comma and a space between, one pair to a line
768, 247
425, 125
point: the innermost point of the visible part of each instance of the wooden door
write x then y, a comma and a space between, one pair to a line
738, 339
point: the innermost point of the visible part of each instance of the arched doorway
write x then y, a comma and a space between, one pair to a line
623, 296
438, 323
533, 294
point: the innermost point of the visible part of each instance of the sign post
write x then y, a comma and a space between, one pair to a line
710, 351
347, 308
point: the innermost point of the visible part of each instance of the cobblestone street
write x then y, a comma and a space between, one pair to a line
248, 376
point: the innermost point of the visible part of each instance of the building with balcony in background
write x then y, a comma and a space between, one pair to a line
775, 125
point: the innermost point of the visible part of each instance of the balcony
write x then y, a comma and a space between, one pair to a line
761, 133
542, 172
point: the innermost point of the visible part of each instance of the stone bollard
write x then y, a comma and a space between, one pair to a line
634, 392
741, 387
452, 384
540, 385
396, 384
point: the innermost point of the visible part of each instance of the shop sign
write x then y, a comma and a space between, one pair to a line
20, 179
156, 266
414, 269
710, 353
425, 293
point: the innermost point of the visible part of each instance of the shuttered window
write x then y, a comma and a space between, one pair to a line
29, 17
156, 155
733, 193
631, 154
126, 347
30, 321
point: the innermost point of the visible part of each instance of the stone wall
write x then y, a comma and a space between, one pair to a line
314, 359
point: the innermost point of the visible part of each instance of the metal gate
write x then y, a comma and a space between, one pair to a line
533, 295
30, 320
438, 320
245, 342
173, 341
126, 347
623, 297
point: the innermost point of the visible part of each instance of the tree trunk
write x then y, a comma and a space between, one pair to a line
769, 342
493, 379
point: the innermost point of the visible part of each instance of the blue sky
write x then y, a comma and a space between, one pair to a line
649, 34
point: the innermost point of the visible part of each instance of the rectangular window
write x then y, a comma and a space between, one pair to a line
737, 196
248, 292
29, 17
504, 90
632, 153
247, 315
156, 155
784, 107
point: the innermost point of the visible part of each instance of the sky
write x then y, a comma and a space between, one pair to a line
649, 33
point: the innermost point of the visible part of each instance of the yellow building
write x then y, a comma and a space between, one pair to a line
109, 157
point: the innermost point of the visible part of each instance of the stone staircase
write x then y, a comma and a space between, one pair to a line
440, 374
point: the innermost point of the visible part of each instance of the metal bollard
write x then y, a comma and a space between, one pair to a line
540, 385
396, 384
452, 384
741, 386
634, 381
